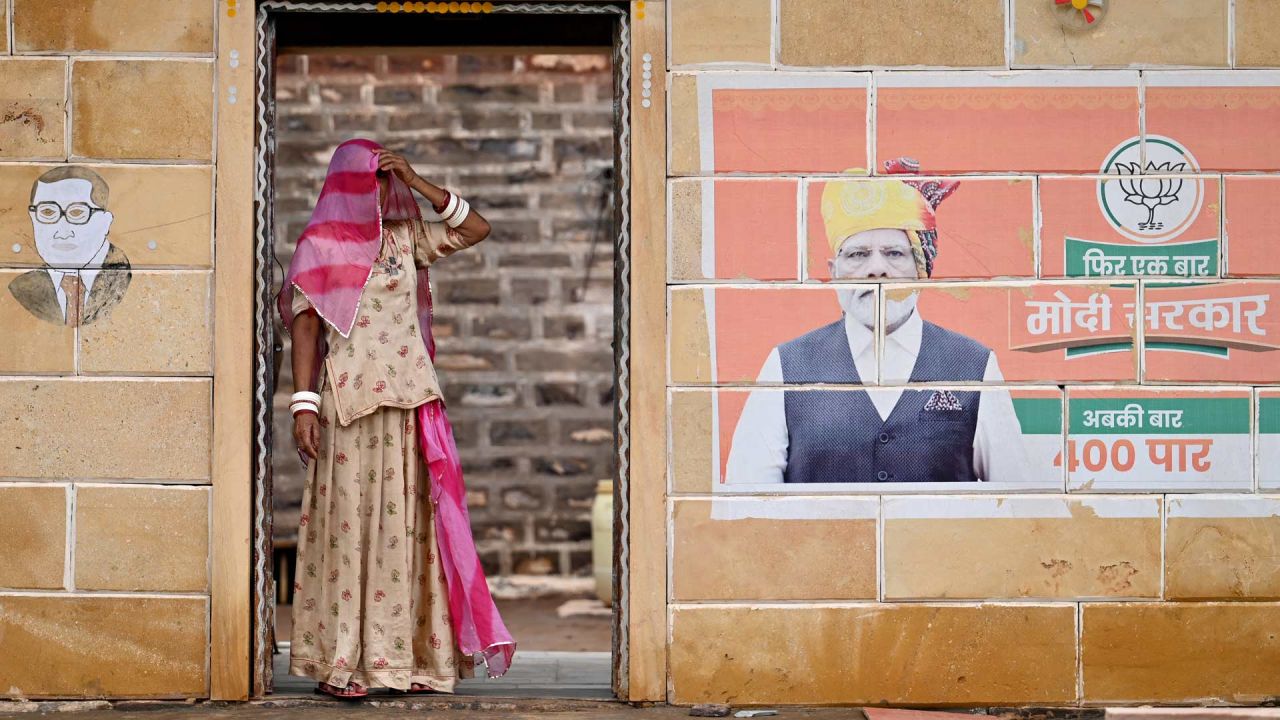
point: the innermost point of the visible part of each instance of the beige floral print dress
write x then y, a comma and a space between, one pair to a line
370, 604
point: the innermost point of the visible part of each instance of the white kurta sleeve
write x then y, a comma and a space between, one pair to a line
999, 454
300, 303
435, 240
759, 450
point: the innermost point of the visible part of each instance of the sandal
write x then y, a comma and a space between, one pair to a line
352, 691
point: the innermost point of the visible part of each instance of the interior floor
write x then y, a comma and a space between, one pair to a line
535, 674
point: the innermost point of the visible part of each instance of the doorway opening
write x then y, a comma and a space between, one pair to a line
522, 109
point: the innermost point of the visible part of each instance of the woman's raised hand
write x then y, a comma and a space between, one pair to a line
393, 163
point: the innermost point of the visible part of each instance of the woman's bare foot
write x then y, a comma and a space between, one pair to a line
353, 691
416, 689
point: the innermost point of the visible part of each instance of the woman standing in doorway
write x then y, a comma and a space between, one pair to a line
389, 590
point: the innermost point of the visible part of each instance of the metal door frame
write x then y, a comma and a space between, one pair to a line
263, 589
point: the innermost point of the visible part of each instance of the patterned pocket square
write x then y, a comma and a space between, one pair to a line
943, 401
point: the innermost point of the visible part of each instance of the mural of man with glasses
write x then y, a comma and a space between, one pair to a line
84, 274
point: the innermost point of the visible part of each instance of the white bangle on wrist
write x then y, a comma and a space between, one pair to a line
459, 214
305, 395
450, 205
303, 406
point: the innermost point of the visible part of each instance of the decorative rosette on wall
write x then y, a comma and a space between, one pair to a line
1080, 14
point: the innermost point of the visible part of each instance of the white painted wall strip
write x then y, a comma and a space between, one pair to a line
708, 229
1212, 78
969, 507
797, 508
1011, 78
1223, 506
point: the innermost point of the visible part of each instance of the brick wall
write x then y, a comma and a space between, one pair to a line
524, 320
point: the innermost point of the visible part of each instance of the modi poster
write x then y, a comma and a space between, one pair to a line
972, 305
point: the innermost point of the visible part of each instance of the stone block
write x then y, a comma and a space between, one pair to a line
32, 345
685, 229
771, 122
142, 538
1250, 213
551, 360
857, 33
789, 542
1196, 653
1021, 547
734, 230
690, 426
162, 325
145, 429
1091, 227
467, 93
131, 26
1212, 332
882, 654
1224, 547
1175, 32
1256, 42
323, 64
1221, 116
398, 94
682, 119
986, 228
162, 215
689, 335
1103, 107
720, 31
107, 95
33, 104
1159, 439
34, 541
564, 327
84, 646
517, 432
463, 292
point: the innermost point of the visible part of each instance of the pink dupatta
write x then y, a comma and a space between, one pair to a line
331, 266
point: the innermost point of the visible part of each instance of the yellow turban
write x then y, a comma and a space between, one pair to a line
853, 206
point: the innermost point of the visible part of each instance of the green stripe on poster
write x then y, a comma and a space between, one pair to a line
1159, 416
1268, 415
1189, 348
1099, 348
1039, 416
1089, 258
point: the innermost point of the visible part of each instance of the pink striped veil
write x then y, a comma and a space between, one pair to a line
336, 250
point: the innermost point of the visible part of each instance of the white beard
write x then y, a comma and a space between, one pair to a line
860, 305
897, 311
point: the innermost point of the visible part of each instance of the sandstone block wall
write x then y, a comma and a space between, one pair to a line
1105, 567
106, 414
524, 321
1123, 562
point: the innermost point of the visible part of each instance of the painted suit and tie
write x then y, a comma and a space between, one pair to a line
85, 276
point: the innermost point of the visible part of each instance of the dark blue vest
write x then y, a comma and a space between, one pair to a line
837, 435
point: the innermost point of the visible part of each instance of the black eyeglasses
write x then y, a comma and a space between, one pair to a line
77, 213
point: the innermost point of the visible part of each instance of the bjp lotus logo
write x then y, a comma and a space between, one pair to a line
1151, 193
1153, 201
